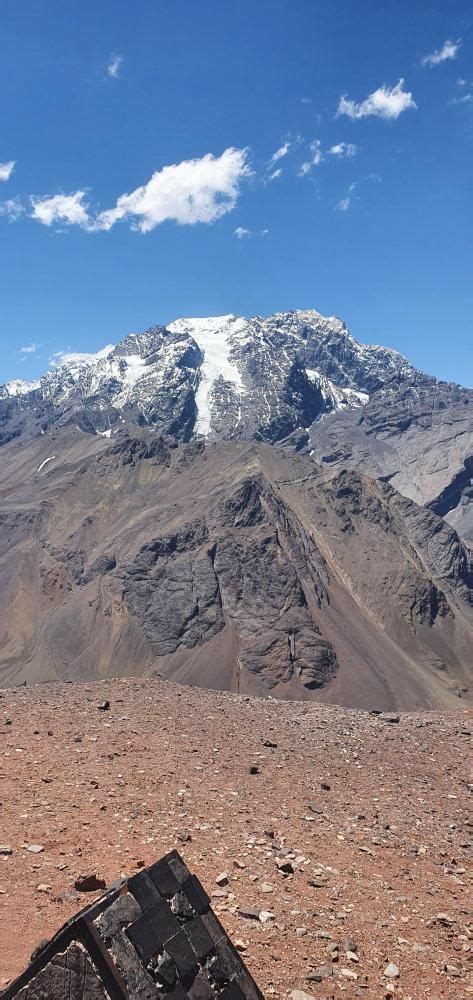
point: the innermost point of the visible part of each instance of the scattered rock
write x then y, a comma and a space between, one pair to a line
222, 879
285, 866
317, 975
249, 912
184, 836
104, 706
253, 769
89, 883
391, 971
35, 848
389, 717
6, 849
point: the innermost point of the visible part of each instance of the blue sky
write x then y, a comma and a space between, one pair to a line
145, 184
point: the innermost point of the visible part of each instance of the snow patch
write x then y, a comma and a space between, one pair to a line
105, 434
17, 387
340, 398
212, 335
46, 460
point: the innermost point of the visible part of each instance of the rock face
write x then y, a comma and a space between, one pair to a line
418, 435
232, 565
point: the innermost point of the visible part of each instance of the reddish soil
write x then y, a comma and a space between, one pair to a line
168, 766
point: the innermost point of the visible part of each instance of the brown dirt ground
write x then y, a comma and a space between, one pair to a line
107, 792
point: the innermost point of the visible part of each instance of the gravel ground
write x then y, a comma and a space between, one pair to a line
344, 836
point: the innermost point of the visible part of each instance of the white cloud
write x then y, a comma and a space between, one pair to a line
30, 348
6, 170
114, 66
384, 102
12, 209
449, 50
192, 191
241, 233
67, 208
344, 204
280, 153
275, 174
343, 149
315, 159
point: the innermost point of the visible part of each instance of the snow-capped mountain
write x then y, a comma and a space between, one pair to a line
221, 377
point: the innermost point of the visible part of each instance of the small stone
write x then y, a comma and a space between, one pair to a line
348, 974
269, 743
318, 974
391, 971
5, 849
452, 970
301, 932
300, 995
222, 879
325, 786
253, 769
352, 956
315, 808
89, 883
266, 887
240, 945
43, 887
389, 717
265, 916
285, 866
35, 848
184, 836
104, 706
249, 912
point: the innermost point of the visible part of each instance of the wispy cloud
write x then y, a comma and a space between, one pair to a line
275, 174
344, 204
6, 170
114, 66
385, 102
342, 149
12, 209
315, 159
465, 99
241, 233
449, 50
69, 209
280, 153
30, 348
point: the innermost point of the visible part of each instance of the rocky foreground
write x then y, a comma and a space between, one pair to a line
334, 843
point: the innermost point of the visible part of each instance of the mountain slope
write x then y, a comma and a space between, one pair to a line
232, 565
